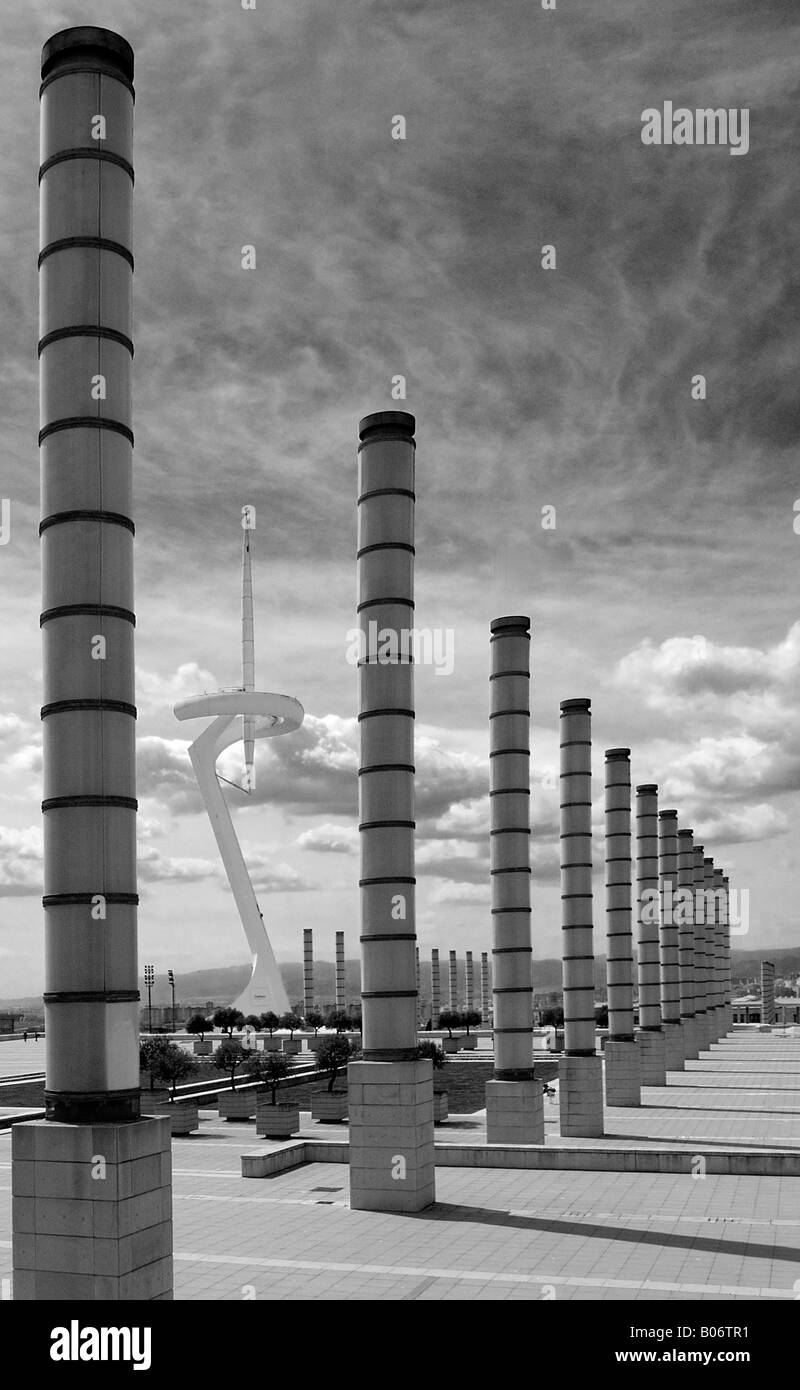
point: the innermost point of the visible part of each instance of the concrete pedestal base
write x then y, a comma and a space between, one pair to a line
580, 1087
391, 1135
514, 1112
623, 1073
652, 1058
690, 1048
712, 1016
92, 1211
673, 1046
701, 1032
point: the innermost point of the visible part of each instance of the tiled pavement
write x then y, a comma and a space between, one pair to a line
504, 1234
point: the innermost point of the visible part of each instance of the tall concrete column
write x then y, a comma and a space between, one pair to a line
685, 914
622, 1065
486, 1006
469, 984
767, 992
668, 940
514, 1102
419, 992
701, 1018
728, 978
73, 1236
308, 970
339, 973
436, 988
453, 983
721, 929
710, 903
650, 1035
580, 1069
382, 1133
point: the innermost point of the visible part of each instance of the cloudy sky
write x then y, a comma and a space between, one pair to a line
667, 591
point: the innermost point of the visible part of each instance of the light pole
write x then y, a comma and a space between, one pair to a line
149, 979
171, 979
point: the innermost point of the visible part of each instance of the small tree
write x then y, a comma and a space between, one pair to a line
228, 1019
601, 1016
149, 1051
254, 1020
270, 1022
355, 1020
553, 1018
228, 1056
471, 1018
333, 1056
270, 1067
291, 1021
172, 1064
450, 1020
198, 1024
314, 1020
339, 1020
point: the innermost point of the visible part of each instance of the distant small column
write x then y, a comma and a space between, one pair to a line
668, 940
650, 1035
685, 914
486, 998
453, 983
580, 1069
419, 1000
514, 1099
308, 971
621, 1055
436, 989
469, 985
710, 903
340, 985
701, 1019
767, 992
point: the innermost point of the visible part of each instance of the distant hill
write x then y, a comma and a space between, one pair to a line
223, 983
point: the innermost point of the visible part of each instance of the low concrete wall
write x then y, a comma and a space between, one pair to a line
594, 1158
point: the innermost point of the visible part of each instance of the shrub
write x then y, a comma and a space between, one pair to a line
172, 1064
450, 1020
198, 1024
228, 1019
314, 1020
269, 1067
270, 1022
291, 1021
333, 1056
228, 1056
471, 1019
436, 1054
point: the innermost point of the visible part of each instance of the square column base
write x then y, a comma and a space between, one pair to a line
712, 1016
391, 1135
514, 1112
623, 1073
673, 1046
580, 1096
92, 1211
652, 1057
690, 1048
701, 1032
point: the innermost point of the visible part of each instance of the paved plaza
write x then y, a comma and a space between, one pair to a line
500, 1233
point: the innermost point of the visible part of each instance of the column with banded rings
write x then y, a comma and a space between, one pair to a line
621, 1053
391, 1144
514, 1100
649, 1035
580, 1069
684, 911
668, 940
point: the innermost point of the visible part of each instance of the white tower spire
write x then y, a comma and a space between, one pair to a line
248, 649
